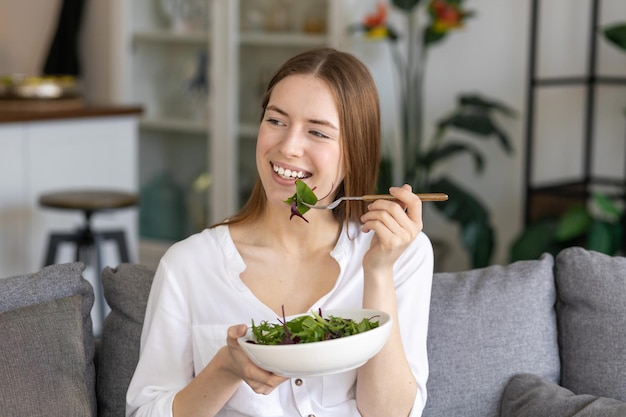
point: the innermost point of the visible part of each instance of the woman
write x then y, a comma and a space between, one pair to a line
321, 124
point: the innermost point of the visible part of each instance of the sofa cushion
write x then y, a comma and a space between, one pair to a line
487, 325
529, 395
47, 347
126, 289
592, 322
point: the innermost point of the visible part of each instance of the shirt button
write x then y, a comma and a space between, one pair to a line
298, 382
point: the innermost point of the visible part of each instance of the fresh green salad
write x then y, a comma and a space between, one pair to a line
308, 328
304, 194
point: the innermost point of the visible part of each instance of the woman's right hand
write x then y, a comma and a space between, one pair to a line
207, 393
260, 380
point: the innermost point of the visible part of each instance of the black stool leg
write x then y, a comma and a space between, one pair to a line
119, 237
55, 241
97, 247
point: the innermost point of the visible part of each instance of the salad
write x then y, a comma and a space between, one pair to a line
304, 194
308, 328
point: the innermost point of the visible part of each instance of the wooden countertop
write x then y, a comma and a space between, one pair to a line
10, 116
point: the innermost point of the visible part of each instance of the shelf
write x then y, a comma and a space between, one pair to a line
281, 39
612, 187
556, 198
559, 195
175, 126
598, 80
234, 63
169, 37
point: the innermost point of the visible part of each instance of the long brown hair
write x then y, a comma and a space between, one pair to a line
356, 98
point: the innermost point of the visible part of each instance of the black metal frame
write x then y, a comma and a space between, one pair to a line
567, 189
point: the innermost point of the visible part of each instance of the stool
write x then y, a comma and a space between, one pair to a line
89, 202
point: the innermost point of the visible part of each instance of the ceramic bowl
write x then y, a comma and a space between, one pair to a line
326, 357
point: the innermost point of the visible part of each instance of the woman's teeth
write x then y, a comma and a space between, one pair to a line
287, 173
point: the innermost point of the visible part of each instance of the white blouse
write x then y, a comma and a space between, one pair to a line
197, 294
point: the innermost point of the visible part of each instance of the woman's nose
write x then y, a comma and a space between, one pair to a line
292, 143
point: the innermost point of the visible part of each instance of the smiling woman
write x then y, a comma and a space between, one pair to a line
357, 122
320, 130
299, 135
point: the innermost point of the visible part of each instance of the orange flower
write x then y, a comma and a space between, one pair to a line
378, 18
375, 25
445, 15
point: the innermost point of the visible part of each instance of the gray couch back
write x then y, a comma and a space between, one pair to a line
500, 339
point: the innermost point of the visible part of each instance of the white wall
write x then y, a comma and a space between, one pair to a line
488, 56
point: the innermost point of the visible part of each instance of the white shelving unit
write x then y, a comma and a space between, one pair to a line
261, 50
201, 88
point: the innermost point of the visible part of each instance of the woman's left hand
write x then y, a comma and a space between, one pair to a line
396, 224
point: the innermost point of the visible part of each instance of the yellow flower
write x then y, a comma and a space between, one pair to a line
378, 32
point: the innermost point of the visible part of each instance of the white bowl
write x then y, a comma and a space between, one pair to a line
326, 357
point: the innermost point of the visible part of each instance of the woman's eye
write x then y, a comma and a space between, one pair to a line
319, 134
274, 122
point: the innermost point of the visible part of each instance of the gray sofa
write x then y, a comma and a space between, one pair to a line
533, 338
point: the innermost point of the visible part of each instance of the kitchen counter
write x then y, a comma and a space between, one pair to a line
47, 111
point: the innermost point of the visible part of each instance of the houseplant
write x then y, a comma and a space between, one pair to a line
475, 117
597, 225
616, 34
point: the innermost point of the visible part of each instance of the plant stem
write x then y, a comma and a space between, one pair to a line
403, 92
413, 126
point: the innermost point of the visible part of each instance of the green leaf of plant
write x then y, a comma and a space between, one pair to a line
486, 104
600, 237
607, 206
406, 5
385, 175
505, 142
461, 206
430, 36
479, 124
535, 240
476, 232
450, 150
616, 34
617, 237
574, 223
479, 237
